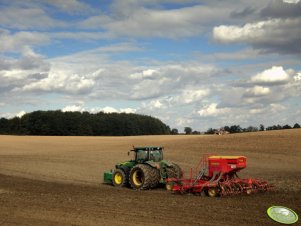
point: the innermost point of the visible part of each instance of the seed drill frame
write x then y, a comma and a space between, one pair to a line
217, 176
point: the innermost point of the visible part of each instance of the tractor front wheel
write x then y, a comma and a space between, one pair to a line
119, 178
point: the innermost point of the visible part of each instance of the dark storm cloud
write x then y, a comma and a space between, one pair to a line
29, 63
25, 63
242, 13
292, 46
279, 9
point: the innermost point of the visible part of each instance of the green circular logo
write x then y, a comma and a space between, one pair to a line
282, 214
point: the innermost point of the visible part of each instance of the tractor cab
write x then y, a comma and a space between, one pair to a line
144, 154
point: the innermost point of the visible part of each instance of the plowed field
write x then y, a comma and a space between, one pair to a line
58, 180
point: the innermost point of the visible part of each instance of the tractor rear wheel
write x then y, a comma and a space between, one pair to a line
119, 178
144, 177
174, 171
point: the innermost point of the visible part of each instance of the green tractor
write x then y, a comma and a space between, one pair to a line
147, 170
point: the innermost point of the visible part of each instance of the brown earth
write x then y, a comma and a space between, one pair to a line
58, 180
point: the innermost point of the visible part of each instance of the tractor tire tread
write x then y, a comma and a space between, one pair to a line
174, 171
151, 177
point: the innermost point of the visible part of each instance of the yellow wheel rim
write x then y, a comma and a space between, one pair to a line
249, 191
169, 186
212, 192
118, 178
137, 179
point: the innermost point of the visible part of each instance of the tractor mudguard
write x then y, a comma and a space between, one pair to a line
153, 164
126, 169
161, 165
164, 164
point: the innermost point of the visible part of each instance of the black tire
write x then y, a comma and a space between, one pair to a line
154, 177
119, 178
144, 177
174, 171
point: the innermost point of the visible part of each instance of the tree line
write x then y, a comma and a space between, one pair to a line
82, 124
239, 129
235, 129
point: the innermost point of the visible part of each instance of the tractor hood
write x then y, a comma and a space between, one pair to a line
128, 164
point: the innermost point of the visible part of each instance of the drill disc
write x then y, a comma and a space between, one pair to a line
282, 214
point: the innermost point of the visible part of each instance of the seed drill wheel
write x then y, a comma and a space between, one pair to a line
212, 192
169, 185
119, 178
144, 177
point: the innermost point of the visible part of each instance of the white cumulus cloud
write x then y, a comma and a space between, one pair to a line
14, 42
276, 108
274, 75
298, 77
291, 1
280, 35
189, 96
128, 110
62, 81
20, 114
109, 110
73, 108
248, 32
257, 91
212, 110
144, 74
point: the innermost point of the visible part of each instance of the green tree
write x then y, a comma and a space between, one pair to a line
187, 130
235, 129
210, 131
296, 126
174, 131
251, 129
286, 127
4, 126
227, 128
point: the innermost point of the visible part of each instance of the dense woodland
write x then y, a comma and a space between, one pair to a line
58, 123
82, 124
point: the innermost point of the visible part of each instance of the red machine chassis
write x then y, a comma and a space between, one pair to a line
217, 177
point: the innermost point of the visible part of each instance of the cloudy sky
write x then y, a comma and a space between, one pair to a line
190, 63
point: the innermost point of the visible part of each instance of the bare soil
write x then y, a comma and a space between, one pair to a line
58, 180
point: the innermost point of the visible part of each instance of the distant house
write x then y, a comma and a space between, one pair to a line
221, 132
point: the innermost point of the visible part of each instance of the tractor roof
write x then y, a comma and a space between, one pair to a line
151, 148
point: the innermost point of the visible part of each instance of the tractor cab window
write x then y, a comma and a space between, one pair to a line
155, 155
141, 155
